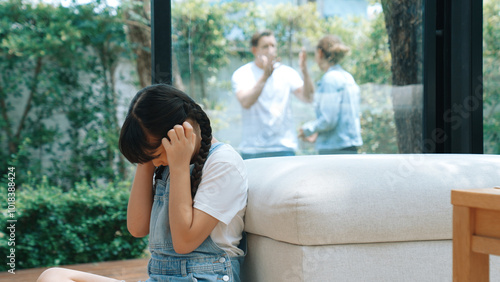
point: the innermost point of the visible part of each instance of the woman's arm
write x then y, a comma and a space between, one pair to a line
141, 200
306, 92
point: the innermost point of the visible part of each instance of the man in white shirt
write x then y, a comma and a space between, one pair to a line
263, 88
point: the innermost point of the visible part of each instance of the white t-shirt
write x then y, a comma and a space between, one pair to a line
268, 124
222, 193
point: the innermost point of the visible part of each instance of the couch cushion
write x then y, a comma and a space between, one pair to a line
429, 261
342, 199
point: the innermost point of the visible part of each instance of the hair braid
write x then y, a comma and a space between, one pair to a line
195, 112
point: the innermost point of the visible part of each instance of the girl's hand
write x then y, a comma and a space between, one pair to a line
181, 146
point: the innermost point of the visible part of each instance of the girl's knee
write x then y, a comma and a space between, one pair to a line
53, 274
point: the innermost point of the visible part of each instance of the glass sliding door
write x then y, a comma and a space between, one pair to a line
211, 40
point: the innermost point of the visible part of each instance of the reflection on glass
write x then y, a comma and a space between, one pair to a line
491, 76
264, 88
336, 129
211, 40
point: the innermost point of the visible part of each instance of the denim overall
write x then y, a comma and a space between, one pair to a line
208, 262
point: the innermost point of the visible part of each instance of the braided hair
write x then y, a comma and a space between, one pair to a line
153, 112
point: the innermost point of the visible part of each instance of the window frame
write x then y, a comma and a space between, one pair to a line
453, 77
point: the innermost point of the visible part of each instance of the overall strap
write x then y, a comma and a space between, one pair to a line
214, 147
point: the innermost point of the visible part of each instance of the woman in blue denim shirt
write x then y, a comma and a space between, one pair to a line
337, 128
195, 224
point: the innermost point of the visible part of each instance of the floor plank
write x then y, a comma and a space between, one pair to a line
129, 270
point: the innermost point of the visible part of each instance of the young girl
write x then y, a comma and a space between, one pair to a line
189, 192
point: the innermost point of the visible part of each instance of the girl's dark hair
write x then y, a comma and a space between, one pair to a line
153, 112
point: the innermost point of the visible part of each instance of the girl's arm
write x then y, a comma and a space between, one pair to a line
189, 226
141, 200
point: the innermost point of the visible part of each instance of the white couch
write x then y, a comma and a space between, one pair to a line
358, 217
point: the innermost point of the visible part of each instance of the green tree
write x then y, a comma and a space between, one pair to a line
37, 44
198, 37
57, 94
370, 58
92, 114
254, 20
137, 16
403, 21
294, 26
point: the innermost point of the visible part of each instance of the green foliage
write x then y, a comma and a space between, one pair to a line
491, 79
63, 60
293, 26
378, 129
86, 224
92, 113
199, 41
254, 20
36, 44
370, 56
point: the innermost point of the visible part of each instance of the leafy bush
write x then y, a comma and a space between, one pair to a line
86, 224
378, 128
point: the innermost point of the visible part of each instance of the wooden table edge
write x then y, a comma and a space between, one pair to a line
484, 198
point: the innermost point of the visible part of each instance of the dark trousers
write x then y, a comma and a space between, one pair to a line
247, 156
348, 150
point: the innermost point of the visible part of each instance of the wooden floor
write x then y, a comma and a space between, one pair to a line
129, 270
